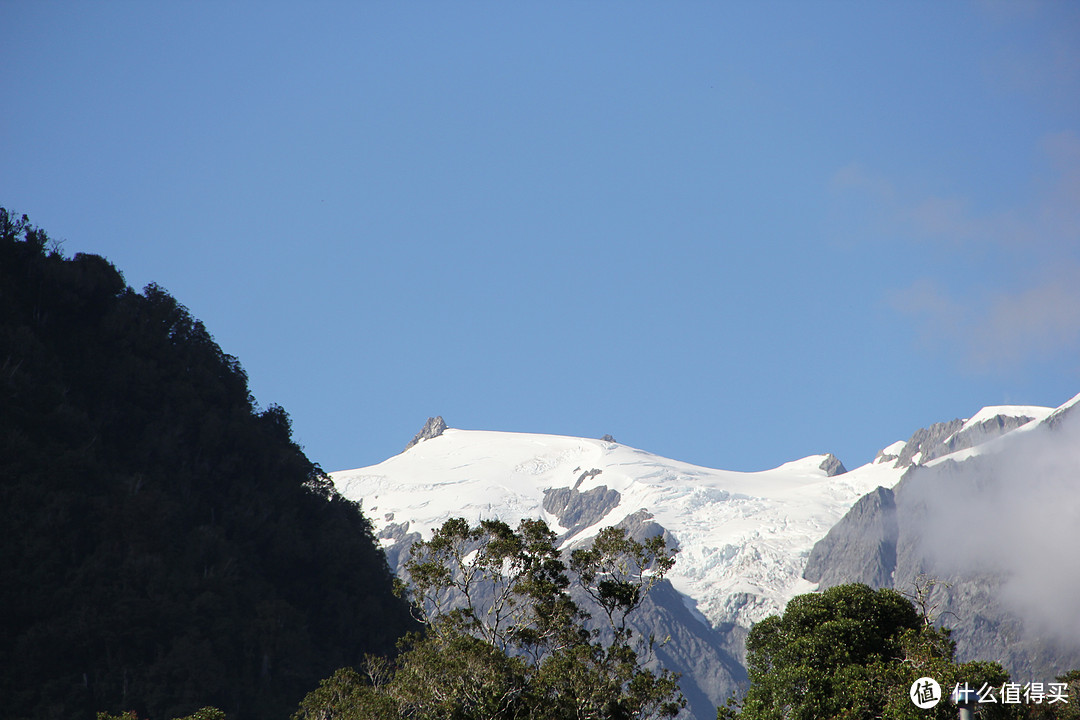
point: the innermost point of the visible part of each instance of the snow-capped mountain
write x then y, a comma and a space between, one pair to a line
743, 538
995, 526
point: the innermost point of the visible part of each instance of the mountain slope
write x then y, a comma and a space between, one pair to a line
744, 538
994, 526
740, 534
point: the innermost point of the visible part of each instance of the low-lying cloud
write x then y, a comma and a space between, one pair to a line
1016, 513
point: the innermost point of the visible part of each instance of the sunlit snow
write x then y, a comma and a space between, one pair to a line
743, 537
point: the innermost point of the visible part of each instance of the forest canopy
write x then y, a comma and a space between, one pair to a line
166, 544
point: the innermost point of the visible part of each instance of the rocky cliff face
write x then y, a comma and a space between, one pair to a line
710, 658
433, 428
925, 442
862, 548
941, 439
973, 434
962, 529
578, 510
746, 540
832, 466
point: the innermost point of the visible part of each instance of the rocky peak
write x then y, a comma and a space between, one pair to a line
1062, 412
941, 439
925, 441
977, 433
432, 428
832, 465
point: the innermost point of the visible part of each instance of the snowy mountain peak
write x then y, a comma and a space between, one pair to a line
1001, 413
740, 534
744, 538
946, 438
434, 427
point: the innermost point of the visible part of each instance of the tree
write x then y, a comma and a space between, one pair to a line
853, 653
165, 544
504, 636
206, 713
345, 694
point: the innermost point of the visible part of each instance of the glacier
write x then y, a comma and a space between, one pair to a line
743, 537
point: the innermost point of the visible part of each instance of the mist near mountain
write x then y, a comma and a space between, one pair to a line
986, 536
1014, 511
985, 507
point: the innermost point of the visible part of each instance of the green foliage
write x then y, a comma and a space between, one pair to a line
617, 571
206, 713
165, 543
827, 653
853, 653
460, 676
345, 695
1057, 710
504, 637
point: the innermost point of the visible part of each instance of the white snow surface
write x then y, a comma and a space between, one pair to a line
743, 537
1037, 412
890, 452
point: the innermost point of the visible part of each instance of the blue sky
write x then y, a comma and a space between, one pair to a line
734, 234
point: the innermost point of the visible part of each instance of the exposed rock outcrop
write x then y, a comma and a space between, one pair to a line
976, 434
832, 466
924, 441
396, 543
1059, 415
578, 510
941, 439
861, 548
947, 523
586, 475
432, 428
641, 526
708, 657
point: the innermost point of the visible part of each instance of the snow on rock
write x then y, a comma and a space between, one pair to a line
434, 427
743, 537
990, 412
1059, 414
890, 453
961, 438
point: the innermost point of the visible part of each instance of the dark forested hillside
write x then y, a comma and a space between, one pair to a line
164, 544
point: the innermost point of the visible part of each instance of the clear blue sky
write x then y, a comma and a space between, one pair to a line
734, 234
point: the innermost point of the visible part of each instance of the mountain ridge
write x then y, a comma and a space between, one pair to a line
744, 537
956, 526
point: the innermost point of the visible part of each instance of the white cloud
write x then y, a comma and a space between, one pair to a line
1023, 524
1000, 330
1036, 322
1035, 314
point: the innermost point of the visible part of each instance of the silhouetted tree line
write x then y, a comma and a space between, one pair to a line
164, 544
